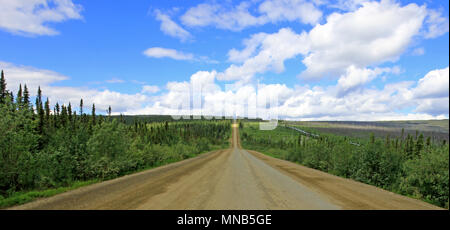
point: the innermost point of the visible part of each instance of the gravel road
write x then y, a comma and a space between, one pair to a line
233, 178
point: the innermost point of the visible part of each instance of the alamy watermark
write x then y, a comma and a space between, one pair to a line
256, 104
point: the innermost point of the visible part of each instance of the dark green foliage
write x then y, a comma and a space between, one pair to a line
19, 98
419, 145
41, 150
93, 114
17, 141
26, 97
412, 168
428, 177
81, 107
3, 90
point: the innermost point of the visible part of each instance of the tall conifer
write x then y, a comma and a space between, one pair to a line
3, 91
93, 114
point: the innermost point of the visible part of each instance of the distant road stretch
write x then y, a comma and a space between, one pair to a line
229, 179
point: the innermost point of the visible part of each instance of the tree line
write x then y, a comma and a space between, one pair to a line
409, 165
43, 147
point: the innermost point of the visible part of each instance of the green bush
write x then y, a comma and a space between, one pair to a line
428, 177
408, 167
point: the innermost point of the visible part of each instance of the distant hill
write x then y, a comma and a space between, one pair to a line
437, 129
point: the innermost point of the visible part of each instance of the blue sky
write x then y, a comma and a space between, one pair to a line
137, 56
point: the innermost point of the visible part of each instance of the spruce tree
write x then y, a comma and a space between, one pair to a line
372, 138
81, 107
26, 97
40, 111
19, 98
69, 112
11, 95
57, 109
74, 114
419, 145
409, 146
56, 119
93, 114
63, 115
388, 141
3, 91
47, 112
39, 99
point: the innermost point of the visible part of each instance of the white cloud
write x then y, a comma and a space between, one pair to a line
159, 52
356, 78
347, 5
251, 44
298, 102
290, 10
428, 97
150, 89
433, 106
31, 17
433, 85
169, 27
375, 33
239, 17
119, 102
236, 18
34, 77
436, 24
273, 50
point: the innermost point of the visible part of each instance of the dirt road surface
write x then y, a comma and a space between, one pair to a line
229, 179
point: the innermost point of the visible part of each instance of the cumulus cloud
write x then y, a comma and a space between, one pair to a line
376, 32
34, 77
235, 19
433, 85
159, 52
239, 17
273, 50
171, 28
355, 78
251, 44
433, 106
201, 95
290, 10
31, 17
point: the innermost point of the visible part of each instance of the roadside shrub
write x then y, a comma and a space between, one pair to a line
428, 177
